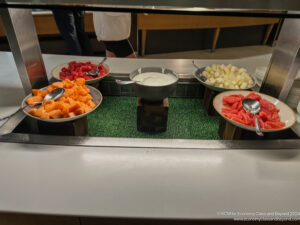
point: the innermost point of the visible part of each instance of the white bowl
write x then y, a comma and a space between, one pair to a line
199, 72
96, 98
56, 70
286, 114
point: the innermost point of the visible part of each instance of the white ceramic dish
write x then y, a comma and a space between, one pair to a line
219, 89
56, 70
97, 99
286, 114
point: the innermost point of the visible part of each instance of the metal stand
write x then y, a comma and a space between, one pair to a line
24, 44
285, 61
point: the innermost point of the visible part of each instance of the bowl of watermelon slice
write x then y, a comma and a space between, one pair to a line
78, 69
274, 115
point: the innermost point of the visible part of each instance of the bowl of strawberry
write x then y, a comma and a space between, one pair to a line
78, 69
274, 115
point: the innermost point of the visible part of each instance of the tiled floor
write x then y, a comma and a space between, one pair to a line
222, 53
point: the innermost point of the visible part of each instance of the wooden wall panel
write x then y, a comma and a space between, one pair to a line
45, 24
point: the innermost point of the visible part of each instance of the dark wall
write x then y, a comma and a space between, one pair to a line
164, 41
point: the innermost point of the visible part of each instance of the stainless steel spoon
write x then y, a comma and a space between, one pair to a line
95, 72
253, 107
124, 82
53, 95
202, 78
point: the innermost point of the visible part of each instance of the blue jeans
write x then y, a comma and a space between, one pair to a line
70, 23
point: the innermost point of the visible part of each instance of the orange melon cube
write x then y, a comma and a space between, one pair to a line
57, 85
49, 105
84, 99
56, 114
80, 81
87, 108
45, 115
67, 83
70, 101
34, 99
64, 109
71, 114
91, 104
40, 111
32, 112
38, 92
82, 91
49, 89
74, 106
79, 111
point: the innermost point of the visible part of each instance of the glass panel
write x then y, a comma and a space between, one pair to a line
209, 7
170, 41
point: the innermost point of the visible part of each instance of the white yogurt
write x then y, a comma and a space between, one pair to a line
155, 79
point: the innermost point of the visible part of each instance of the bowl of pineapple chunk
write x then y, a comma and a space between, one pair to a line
225, 77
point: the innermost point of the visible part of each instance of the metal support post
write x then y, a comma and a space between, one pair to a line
285, 61
24, 44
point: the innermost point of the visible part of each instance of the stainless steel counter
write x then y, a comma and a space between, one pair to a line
146, 178
147, 182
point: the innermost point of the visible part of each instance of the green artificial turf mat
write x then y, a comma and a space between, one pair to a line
187, 119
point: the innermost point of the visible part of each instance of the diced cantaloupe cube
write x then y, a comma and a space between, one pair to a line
32, 112
84, 99
55, 114
74, 106
91, 104
79, 111
45, 115
33, 99
71, 114
80, 81
82, 91
61, 106
38, 92
49, 89
49, 105
40, 111
58, 85
67, 83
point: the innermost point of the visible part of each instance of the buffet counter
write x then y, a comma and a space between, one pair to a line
142, 177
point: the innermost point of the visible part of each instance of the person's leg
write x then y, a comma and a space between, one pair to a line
110, 54
121, 48
66, 25
82, 35
133, 55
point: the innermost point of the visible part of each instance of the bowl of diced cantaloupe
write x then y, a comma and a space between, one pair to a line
78, 101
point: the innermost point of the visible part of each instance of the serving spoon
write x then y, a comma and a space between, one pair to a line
253, 107
95, 72
124, 82
53, 95
202, 78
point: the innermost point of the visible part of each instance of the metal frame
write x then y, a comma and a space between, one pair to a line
192, 5
285, 61
28, 56
163, 10
24, 44
150, 143
12, 123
